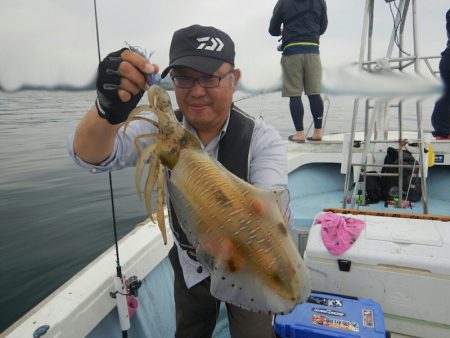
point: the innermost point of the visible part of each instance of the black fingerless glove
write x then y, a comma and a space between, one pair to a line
108, 103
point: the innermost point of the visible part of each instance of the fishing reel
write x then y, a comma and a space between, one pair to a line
133, 285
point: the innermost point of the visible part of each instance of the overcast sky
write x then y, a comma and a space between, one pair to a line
54, 41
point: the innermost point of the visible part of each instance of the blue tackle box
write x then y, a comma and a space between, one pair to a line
327, 315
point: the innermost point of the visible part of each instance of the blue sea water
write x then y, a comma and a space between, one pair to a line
56, 217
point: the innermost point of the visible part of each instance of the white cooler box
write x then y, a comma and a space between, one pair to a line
404, 264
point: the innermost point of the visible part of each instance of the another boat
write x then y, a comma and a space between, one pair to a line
397, 267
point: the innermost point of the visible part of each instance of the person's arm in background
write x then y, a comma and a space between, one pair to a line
324, 19
276, 20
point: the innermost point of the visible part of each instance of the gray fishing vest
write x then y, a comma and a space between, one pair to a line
233, 153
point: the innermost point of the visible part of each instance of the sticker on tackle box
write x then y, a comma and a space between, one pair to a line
368, 320
335, 323
328, 312
325, 301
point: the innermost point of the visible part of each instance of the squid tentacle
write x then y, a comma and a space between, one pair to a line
139, 137
150, 183
146, 154
132, 116
160, 204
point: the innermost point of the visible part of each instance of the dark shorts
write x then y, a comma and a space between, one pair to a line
301, 72
197, 311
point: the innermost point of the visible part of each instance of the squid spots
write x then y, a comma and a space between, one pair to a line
257, 206
220, 197
282, 229
232, 266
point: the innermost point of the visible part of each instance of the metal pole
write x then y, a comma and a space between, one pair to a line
350, 152
364, 32
376, 110
364, 36
419, 115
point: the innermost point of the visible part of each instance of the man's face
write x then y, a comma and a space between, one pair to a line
207, 109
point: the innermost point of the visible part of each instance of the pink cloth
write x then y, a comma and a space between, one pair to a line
339, 232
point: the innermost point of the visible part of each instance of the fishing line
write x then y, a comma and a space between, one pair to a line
96, 31
261, 110
111, 190
254, 93
124, 325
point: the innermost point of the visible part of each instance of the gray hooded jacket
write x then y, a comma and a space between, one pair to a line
302, 20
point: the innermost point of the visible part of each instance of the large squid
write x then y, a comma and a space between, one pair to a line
239, 231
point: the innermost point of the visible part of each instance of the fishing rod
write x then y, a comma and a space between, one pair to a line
119, 282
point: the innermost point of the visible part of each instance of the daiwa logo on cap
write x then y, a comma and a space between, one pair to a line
216, 43
201, 48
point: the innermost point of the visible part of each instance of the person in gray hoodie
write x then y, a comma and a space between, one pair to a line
440, 119
300, 24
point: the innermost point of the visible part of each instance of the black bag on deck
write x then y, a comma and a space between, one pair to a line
390, 183
374, 189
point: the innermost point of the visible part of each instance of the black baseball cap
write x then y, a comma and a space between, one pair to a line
201, 48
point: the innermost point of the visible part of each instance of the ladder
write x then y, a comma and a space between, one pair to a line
399, 63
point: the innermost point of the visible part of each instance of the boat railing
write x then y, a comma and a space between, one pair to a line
400, 65
427, 59
382, 105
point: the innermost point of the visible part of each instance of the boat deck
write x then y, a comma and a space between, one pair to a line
318, 168
327, 183
331, 149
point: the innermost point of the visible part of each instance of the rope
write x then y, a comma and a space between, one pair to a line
396, 26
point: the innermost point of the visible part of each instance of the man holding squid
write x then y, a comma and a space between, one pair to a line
205, 78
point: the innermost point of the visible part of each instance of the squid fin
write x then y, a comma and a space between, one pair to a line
244, 289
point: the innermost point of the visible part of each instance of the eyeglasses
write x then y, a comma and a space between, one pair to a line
208, 81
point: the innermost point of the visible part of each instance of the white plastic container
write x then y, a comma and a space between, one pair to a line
404, 264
